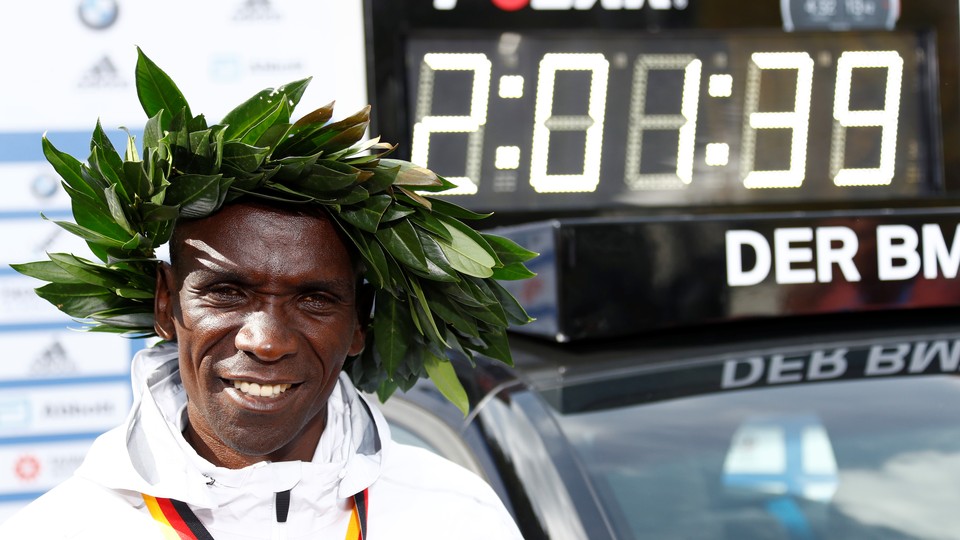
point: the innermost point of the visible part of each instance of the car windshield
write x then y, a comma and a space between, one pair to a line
868, 458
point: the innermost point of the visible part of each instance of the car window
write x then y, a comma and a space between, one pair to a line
855, 459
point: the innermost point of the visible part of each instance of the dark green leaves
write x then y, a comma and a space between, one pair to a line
434, 275
156, 89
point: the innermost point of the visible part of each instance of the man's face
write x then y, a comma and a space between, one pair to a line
259, 299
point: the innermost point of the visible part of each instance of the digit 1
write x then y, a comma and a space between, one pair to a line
685, 122
545, 121
886, 118
797, 120
472, 123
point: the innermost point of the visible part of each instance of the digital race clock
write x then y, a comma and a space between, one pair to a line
576, 105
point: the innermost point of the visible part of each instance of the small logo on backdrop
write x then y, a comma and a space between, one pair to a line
256, 10
53, 360
98, 14
27, 468
102, 74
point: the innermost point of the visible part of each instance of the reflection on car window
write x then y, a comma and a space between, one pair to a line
875, 459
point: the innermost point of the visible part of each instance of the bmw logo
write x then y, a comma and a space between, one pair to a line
44, 186
98, 14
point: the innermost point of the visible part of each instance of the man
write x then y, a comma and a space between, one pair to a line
243, 423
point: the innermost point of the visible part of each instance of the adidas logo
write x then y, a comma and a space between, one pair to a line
102, 74
256, 10
53, 361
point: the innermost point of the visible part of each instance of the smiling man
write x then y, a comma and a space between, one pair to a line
262, 303
291, 249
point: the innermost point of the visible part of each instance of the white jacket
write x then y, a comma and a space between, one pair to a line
412, 493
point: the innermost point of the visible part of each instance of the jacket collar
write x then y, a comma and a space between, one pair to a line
148, 454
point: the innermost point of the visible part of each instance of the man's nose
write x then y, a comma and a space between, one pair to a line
266, 336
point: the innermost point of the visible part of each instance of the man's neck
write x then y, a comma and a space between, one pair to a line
211, 448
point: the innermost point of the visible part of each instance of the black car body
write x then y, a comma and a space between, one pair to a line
813, 428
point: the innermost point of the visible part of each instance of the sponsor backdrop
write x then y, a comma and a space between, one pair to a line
68, 63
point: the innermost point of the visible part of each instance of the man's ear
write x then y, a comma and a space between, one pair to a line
163, 303
365, 293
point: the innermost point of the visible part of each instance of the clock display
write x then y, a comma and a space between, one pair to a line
532, 120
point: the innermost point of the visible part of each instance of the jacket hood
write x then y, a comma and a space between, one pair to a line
148, 454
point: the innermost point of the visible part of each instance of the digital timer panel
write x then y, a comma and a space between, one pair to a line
525, 121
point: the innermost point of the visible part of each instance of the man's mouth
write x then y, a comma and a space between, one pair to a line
260, 389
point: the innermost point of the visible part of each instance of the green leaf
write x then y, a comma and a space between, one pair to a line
94, 215
321, 179
68, 168
156, 89
159, 212
136, 294
442, 185
267, 105
345, 138
130, 153
412, 175
465, 254
108, 153
448, 311
85, 271
366, 217
137, 183
100, 169
497, 347
293, 167
424, 309
513, 272
460, 293
445, 378
427, 221
401, 241
89, 235
377, 261
392, 328
382, 178
515, 312
243, 157
491, 314
386, 389
117, 209
46, 271
438, 267
128, 318
273, 135
78, 300
197, 195
154, 128
507, 250
449, 209
412, 197
316, 117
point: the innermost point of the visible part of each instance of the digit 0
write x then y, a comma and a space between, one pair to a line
472, 123
797, 120
685, 122
545, 122
886, 118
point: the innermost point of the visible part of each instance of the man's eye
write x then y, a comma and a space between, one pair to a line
224, 293
315, 301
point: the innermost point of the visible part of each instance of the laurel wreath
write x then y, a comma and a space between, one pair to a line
435, 277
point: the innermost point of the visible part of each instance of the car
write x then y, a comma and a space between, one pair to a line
748, 220
826, 427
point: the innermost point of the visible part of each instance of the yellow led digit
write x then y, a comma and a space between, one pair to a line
685, 122
887, 118
472, 123
797, 120
545, 122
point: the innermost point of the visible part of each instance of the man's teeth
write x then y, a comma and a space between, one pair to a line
257, 389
